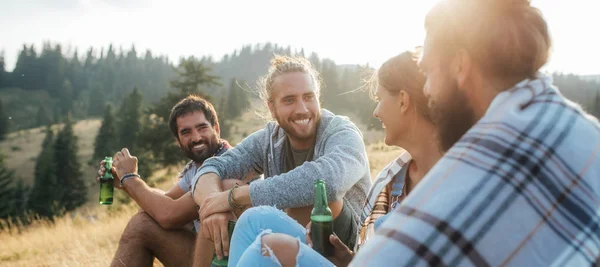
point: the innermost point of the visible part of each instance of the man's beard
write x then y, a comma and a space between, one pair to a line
287, 125
453, 116
201, 156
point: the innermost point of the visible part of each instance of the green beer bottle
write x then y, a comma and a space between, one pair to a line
106, 183
321, 221
223, 263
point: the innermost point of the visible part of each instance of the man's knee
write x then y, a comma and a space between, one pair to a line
260, 213
280, 248
139, 228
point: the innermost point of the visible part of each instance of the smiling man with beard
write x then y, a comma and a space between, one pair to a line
161, 228
519, 184
303, 144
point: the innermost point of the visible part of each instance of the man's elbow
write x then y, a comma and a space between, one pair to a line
167, 221
337, 192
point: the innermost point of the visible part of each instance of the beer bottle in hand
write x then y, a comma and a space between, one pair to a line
321, 221
225, 261
106, 183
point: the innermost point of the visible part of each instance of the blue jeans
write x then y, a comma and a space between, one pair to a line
246, 244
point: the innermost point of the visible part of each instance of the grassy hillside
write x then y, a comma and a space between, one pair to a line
22, 147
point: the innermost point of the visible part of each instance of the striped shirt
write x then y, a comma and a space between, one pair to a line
520, 188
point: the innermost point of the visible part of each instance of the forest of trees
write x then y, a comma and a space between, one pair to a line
133, 94
46, 85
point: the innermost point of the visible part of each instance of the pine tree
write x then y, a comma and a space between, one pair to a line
42, 117
7, 178
4, 122
66, 98
56, 116
20, 208
106, 143
193, 74
237, 99
44, 196
233, 109
68, 169
225, 125
130, 120
330, 91
96, 103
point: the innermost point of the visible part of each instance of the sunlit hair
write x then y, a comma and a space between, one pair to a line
507, 38
401, 73
282, 65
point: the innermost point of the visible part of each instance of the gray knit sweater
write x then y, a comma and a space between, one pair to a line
340, 159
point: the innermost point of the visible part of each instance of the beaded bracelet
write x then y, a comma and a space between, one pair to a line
128, 176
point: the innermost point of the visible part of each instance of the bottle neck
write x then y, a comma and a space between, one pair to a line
108, 172
320, 195
320, 206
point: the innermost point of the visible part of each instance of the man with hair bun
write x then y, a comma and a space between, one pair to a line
519, 184
303, 144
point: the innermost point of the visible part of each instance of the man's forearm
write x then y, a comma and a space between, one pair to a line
161, 207
137, 189
205, 185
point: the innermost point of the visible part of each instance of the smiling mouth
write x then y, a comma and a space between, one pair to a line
199, 147
302, 122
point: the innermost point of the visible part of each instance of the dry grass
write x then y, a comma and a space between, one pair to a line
89, 236
72, 241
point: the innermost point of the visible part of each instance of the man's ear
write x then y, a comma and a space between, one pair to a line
217, 128
462, 67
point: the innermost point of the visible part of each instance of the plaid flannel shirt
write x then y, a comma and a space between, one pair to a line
377, 204
520, 188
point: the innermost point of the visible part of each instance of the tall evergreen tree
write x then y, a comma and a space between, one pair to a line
42, 117
225, 124
106, 143
4, 122
7, 178
129, 125
68, 169
52, 69
20, 196
331, 92
96, 103
45, 194
193, 74
237, 99
66, 98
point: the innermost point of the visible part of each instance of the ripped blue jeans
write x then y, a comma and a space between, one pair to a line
246, 246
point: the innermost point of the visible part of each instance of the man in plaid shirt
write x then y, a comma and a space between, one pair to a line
519, 184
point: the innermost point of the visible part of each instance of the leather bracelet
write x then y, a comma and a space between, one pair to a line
231, 200
128, 176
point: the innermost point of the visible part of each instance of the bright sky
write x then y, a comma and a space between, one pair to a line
348, 32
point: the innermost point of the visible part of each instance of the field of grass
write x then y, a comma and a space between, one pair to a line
89, 236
